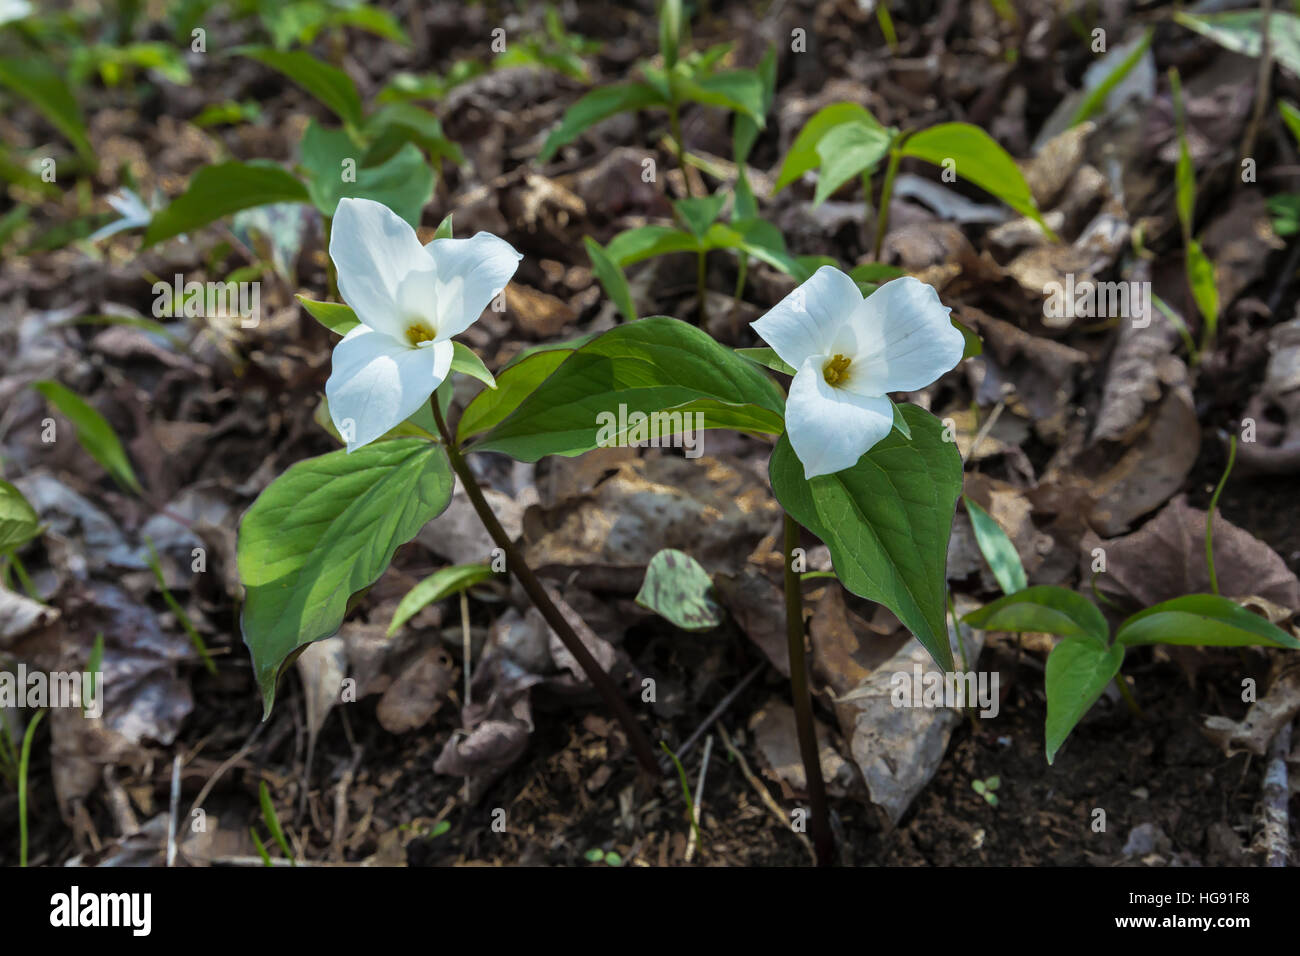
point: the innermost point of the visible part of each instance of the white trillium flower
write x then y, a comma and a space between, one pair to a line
410, 300
848, 352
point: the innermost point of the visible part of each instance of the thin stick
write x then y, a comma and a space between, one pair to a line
1273, 835
172, 809
714, 714
466, 651
699, 795
761, 790
639, 742
803, 715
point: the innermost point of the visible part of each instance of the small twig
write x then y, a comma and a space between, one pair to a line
1273, 836
762, 791
467, 650
172, 810
699, 795
665, 762
1261, 84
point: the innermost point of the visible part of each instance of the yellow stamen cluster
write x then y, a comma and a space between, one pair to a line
418, 332
836, 370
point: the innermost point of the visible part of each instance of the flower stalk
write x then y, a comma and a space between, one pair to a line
639, 742
823, 841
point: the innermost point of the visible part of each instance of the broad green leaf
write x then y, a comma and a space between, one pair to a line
978, 159
876, 273
738, 90
846, 151
1078, 670
403, 182
36, 80
328, 84
442, 583
700, 213
886, 521
997, 549
1045, 608
399, 123
597, 105
653, 365
611, 278
768, 358
515, 383
335, 316
803, 154
678, 590
465, 361
757, 238
646, 242
1241, 31
217, 191
1202, 620
19, 522
324, 530
94, 432
1200, 276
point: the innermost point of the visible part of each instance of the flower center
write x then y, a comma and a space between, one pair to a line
418, 332
836, 370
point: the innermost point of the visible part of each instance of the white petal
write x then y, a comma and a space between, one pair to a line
377, 382
471, 272
374, 249
805, 321
831, 428
905, 340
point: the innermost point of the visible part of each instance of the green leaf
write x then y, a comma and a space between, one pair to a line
677, 589
652, 365
1078, 670
997, 549
328, 84
1200, 276
876, 273
400, 123
403, 182
217, 191
19, 522
698, 214
335, 316
1045, 608
36, 80
757, 238
900, 423
1284, 208
803, 155
1241, 31
745, 134
979, 160
464, 360
1205, 620
738, 90
324, 530
886, 521
598, 105
646, 242
611, 278
974, 345
442, 583
1291, 116
1096, 98
94, 432
846, 151
444, 228
515, 383
768, 358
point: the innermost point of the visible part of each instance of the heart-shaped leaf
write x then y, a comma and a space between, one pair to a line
324, 530
678, 590
1078, 670
886, 521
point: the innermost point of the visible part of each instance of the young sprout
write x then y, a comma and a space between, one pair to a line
410, 300
848, 352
